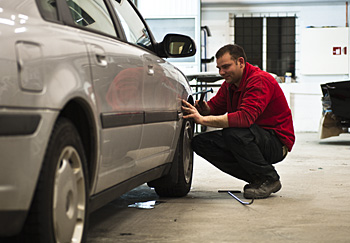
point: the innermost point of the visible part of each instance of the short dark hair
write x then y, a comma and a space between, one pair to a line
234, 50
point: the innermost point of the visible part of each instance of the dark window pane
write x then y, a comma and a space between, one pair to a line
281, 45
248, 34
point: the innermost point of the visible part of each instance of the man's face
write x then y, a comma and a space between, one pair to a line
230, 70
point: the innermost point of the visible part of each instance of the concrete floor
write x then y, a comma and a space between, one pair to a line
313, 205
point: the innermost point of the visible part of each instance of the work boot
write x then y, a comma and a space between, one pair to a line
254, 184
263, 190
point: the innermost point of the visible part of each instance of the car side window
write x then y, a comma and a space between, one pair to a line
92, 14
48, 9
135, 30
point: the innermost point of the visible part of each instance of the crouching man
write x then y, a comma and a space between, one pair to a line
256, 120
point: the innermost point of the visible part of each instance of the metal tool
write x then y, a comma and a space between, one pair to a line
203, 93
235, 197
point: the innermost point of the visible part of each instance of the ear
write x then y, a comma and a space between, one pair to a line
241, 62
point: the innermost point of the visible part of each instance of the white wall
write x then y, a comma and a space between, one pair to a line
168, 7
304, 97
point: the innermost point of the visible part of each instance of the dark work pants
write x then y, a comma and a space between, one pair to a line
245, 153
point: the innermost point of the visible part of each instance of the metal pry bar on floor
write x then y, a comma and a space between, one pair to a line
235, 197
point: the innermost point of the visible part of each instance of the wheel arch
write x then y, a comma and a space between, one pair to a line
79, 112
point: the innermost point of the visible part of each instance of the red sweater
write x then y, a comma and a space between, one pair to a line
258, 99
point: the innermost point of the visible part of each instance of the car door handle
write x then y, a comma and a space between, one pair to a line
150, 70
101, 60
99, 55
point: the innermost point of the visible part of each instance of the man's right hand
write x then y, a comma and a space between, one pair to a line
191, 112
202, 107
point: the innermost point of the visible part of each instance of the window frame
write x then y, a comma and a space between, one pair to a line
67, 19
59, 7
152, 39
265, 16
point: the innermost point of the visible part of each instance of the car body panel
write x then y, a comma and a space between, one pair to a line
116, 97
161, 112
21, 157
55, 67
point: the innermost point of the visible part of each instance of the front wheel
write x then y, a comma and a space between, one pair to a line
59, 208
169, 186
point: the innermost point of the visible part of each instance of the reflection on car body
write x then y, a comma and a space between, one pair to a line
124, 91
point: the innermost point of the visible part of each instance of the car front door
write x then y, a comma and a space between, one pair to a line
159, 93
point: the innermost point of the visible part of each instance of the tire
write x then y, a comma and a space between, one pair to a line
59, 211
169, 186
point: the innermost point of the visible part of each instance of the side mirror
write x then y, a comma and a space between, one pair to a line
176, 45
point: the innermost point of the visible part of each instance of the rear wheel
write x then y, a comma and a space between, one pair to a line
59, 208
169, 186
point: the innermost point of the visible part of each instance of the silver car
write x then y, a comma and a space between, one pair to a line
89, 109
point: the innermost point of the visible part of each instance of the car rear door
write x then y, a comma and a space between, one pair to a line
117, 72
